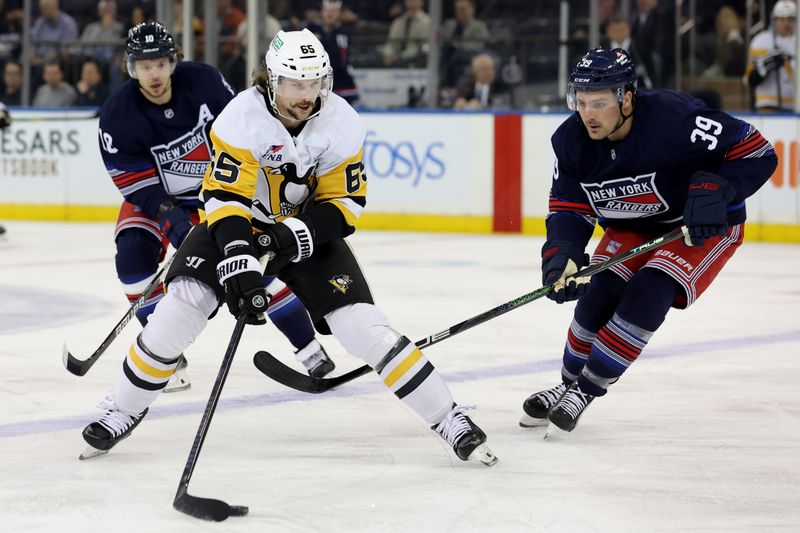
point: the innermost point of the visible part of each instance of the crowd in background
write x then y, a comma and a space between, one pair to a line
489, 50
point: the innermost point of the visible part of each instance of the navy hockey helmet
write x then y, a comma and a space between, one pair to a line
601, 69
149, 40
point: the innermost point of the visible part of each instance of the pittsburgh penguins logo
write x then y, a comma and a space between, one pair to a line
341, 282
294, 189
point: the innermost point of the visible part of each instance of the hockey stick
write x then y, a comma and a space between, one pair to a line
79, 367
286, 375
209, 508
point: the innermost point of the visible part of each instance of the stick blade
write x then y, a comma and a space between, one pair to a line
271, 367
207, 508
72, 364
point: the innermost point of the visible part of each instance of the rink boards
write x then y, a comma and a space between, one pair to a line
427, 171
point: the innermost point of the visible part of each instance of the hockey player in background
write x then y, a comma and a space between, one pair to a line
642, 164
287, 181
771, 64
154, 142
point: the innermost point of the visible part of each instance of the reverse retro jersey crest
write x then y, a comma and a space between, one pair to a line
262, 172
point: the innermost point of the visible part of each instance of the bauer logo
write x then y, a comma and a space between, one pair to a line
635, 197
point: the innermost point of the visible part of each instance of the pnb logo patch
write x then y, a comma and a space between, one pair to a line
341, 283
272, 154
635, 197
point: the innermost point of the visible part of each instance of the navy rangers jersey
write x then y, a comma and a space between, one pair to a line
157, 151
264, 173
641, 182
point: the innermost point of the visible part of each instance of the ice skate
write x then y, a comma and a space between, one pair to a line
104, 434
315, 360
180, 379
537, 405
565, 413
467, 439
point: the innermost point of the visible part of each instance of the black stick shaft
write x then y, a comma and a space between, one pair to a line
79, 367
211, 406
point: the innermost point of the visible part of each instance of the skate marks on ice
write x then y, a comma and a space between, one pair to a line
29, 309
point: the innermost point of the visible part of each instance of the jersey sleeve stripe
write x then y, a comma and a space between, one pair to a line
755, 145
226, 210
138, 185
349, 209
573, 207
128, 178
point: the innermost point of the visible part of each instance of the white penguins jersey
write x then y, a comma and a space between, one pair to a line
763, 45
264, 174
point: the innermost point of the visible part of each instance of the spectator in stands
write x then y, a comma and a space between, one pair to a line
12, 81
197, 28
618, 35
107, 28
138, 15
55, 92
336, 41
730, 56
51, 25
481, 89
91, 89
652, 31
304, 14
11, 31
462, 36
230, 52
772, 64
409, 35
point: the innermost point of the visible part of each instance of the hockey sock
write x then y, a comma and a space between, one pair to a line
137, 262
413, 379
364, 332
286, 311
642, 309
144, 375
594, 309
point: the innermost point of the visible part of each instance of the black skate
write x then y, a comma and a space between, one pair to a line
180, 378
315, 360
565, 413
467, 439
537, 405
104, 434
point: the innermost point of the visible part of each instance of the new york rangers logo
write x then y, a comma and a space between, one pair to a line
634, 197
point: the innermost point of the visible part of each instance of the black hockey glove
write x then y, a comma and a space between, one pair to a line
705, 212
287, 241
560, 260
5, 118
240, 273
175, 222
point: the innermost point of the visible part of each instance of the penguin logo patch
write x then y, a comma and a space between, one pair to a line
341, 283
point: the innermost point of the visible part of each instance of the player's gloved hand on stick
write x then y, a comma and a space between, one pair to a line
770, 63
705, 214
287, 241
240, 273
560, 260
175, 222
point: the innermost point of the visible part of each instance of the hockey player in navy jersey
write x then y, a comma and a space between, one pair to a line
154, 142
287, 181
640, 164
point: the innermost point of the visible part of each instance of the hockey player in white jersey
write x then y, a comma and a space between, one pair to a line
772, 64
287, 182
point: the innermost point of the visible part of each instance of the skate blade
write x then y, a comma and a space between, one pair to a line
530, 422
178, 382
552, 430
483, 455
90, 452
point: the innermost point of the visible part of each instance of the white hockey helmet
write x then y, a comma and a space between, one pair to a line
784, 9
298, 56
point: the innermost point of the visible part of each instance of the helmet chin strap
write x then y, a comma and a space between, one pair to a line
622, 122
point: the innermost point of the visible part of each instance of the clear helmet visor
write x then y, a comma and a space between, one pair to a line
589, 99
294, 89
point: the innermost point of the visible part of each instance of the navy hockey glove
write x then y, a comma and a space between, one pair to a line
287, 241
5, 118
240, 273
705, 212
175, 222
560, 260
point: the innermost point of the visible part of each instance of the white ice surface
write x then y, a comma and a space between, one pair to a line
702, 433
